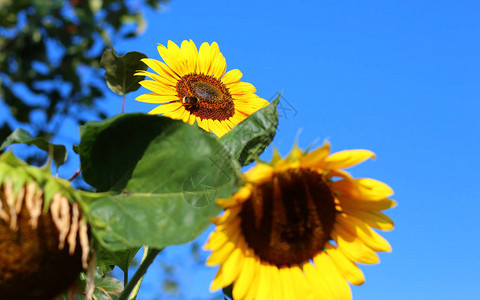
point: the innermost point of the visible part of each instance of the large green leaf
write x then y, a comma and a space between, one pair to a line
119, 70
20, 136
250, 138
168, 172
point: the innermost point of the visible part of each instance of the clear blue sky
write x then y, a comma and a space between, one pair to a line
401, 78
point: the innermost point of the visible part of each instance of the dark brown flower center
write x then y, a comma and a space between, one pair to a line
213, 100
289, 219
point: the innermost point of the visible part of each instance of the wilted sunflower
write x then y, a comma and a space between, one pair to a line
298, 227
192, 86
44, 242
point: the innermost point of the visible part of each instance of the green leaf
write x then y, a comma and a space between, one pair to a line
20, 136
107, 288
119, 70
169, 174
122, 259
247, 140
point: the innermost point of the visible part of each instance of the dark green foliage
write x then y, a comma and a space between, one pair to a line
167, 175
20, 136
50, 57
120, 70
122, 258
250, 138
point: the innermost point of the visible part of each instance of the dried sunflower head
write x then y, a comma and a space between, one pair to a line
44, 241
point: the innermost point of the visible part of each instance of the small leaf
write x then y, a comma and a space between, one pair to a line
20, 136
5, 131
168, 174
107, 288
119, 70
247, 140
122, 259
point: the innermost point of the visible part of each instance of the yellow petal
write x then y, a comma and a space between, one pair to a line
155, 98
362, 189
170, 57
316, 157
317, 283
238, 198
353, 204
302, 287
347, 158
241, 88
190, 54
203, 62
246, 278
176, 114
159, 89
162, 70
215, 240
375, 219
259, 174
218, 63
352, 247
223, 234
338, 287
276, 291
166, 108
228, 216
231, 76
360, 229
252, 293
346, 267
229, 270
219, 255
286, 284
264, 282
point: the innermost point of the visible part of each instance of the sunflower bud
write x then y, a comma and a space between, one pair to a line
44, 241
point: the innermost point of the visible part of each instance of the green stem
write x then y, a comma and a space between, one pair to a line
136, 288
148, 257
125, 277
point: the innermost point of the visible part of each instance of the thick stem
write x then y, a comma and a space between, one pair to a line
147, 260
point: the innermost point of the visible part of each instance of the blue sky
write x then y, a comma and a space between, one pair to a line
401, 78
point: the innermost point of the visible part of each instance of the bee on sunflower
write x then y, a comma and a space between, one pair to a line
193, 86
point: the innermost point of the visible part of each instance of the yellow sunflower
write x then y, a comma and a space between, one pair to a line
192, 86
299, 226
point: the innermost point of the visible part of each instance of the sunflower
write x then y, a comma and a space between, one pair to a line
299, 226
192, 86
44, 240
